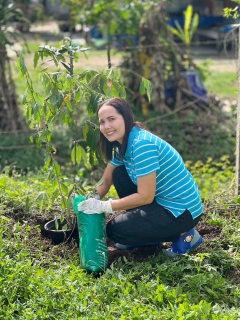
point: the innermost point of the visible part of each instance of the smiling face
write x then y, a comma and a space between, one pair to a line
112, 124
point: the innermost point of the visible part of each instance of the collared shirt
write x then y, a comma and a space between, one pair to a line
176, 189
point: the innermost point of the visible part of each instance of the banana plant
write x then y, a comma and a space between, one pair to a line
186, 33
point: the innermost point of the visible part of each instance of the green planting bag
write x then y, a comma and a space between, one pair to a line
92, 239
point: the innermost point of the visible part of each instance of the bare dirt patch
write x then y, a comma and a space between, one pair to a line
142, 254
49, 251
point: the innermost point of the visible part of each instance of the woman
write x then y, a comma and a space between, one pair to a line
161, 199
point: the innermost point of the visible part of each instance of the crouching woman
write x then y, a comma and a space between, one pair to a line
157, 192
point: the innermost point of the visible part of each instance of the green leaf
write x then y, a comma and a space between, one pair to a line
181, 31
194, 25
93, 103
67, 67
47, 163
24, 99
3, 183
56, 98
187, 22
176, 32
56, 168
118, 90
21, 65
36, 58
84, 156
111, 74
148, 87
56, 224
55, 195
237, 199
69, 106
64, 188
78, 95
41, 197
64, 203
76, 154
69, 203
38, 142
88, 75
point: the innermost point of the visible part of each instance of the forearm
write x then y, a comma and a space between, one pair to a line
103, 189
129, 202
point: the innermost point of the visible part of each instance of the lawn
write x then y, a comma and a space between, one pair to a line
222, 83
40, 280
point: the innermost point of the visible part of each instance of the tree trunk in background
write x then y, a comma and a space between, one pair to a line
238, 125
10, 116
149, 39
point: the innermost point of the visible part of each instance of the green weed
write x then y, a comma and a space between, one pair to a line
212, 177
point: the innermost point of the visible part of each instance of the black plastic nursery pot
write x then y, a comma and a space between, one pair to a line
59, 235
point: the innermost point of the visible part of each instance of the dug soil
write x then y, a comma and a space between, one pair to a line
208, 231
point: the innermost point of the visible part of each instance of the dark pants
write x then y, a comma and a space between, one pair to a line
151, 223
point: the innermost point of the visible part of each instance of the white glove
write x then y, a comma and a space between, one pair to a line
93, 205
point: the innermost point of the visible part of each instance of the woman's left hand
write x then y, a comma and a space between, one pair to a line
93, 205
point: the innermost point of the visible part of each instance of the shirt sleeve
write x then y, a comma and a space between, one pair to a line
145, 157
117, 161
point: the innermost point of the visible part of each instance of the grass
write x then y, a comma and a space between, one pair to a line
39, 281
223, 84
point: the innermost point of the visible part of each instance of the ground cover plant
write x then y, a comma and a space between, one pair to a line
40, 280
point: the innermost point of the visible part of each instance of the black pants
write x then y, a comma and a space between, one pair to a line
151, 223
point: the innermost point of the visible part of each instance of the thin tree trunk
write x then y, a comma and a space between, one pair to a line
109, 47
10, 116
238, 124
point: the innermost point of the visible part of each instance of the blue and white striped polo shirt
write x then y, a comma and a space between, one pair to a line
176, 189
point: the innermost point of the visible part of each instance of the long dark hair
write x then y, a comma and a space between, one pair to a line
108, 149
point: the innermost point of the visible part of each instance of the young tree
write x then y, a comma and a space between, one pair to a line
66, 95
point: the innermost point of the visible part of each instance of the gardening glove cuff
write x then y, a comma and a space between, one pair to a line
93, 205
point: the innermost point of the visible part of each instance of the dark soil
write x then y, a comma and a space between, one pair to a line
210, 233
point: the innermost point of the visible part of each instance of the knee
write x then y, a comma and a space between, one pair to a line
109, 231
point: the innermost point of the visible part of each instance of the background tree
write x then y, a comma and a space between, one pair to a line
159, 59
11, 18
113, 17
